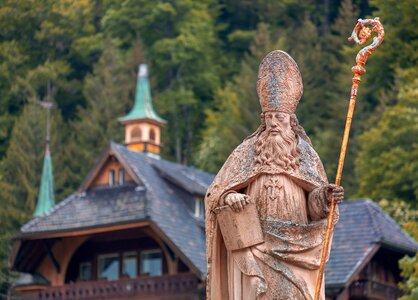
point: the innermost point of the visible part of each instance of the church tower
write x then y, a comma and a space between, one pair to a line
142, 123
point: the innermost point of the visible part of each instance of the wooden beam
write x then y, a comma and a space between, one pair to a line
87, 231
51, 256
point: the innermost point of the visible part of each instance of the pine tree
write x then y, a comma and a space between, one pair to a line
236, 109
109, 95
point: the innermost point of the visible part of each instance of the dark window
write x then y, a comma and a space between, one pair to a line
152, 135
129, 264
111, 177
85, 271
151, 262
136, 134
122, 176
108, 266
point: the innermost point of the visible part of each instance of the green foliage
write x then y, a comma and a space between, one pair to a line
182, 43
387, 163
20, 172
409, 267
236, 110
109, 94
55, 40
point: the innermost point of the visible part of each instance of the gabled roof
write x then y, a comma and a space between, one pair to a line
153, 198
362, 229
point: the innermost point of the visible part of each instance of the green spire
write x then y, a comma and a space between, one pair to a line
46, 189
143, 108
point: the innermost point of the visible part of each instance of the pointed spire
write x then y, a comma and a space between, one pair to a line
46, 190
142, 123
143, 108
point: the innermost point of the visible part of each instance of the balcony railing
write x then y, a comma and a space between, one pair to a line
183, 286
367, 289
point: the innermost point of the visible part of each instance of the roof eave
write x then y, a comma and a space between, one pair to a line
398, 248
129, 120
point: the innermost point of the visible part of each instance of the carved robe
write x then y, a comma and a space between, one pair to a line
293, 221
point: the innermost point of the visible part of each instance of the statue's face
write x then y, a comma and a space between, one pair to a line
277, 121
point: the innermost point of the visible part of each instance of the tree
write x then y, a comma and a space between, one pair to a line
40, 37
109, 95
409, 267
387, 162
236, 110
180, 41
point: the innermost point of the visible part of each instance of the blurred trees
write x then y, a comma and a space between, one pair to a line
387, 163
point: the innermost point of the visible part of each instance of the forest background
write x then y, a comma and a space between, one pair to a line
203, 58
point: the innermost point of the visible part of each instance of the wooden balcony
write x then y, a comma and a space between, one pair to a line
367, 289
167, 287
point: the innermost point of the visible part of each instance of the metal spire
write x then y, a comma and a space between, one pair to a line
46, 190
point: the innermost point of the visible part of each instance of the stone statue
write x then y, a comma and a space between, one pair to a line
266, 209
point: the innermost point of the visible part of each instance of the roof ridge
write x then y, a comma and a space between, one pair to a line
394, 223
369, 205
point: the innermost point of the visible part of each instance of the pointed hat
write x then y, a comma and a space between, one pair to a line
279, 83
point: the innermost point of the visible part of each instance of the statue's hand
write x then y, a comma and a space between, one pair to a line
336, 191
237, 201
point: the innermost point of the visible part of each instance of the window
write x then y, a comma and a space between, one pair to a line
85, 271
108, 266
152, 135
122, 176
111, 177
199, 208
151, 263
129, 264
136, 134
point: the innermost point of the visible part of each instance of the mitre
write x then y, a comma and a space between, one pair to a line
279, 83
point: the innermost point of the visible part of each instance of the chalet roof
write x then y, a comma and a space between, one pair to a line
362, 226
157, 199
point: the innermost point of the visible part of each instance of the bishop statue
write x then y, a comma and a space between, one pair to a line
266, 210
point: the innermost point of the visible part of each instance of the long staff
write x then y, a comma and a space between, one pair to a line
358, 70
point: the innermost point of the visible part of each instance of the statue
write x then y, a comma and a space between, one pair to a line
266, 210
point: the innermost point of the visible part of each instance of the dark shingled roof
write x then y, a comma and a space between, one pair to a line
361, 227
97, 207
156, 200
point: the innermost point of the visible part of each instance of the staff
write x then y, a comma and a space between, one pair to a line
358, 70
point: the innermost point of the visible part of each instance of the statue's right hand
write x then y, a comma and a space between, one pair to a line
237, 201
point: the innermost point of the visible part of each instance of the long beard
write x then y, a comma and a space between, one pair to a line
277, 150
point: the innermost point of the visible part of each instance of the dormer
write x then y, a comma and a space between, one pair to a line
111, 173
142, 123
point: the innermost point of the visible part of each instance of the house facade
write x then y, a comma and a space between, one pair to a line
135, 230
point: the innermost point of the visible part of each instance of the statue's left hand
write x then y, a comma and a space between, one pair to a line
336, 191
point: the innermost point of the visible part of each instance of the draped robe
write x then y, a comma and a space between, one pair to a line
292, 214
